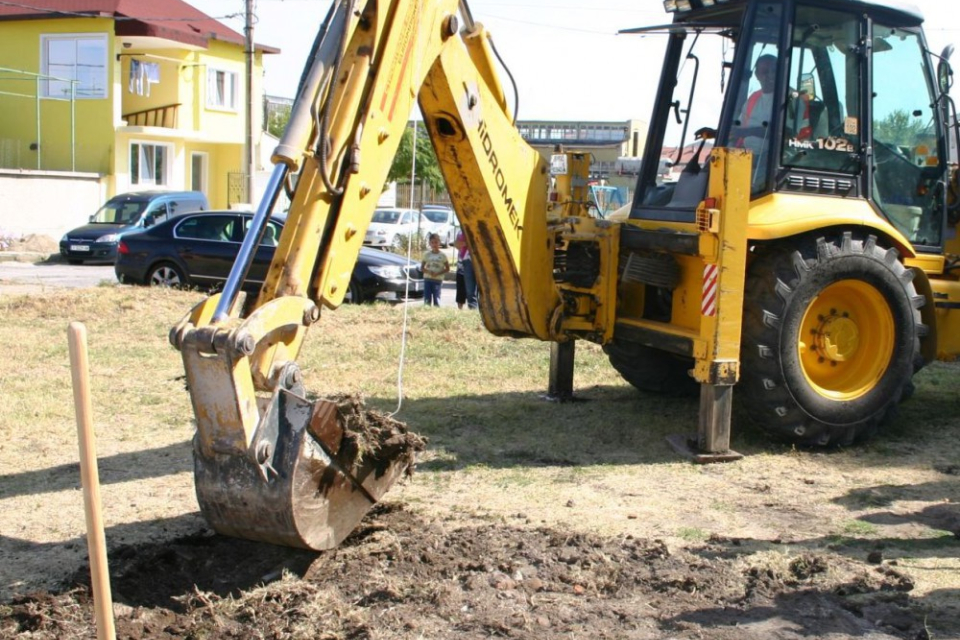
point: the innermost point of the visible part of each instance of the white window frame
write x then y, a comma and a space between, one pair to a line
93, 80
166, 169
231, 94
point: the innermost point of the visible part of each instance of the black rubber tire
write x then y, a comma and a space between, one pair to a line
167, 274
785, 378
354, 294
652, 370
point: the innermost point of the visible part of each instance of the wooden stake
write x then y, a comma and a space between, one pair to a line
90, 480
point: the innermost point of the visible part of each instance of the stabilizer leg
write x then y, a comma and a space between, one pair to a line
560, 387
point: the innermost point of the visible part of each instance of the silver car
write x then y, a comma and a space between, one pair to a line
388, 226
441, 221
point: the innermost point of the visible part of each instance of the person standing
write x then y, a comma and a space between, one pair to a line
469, 275
434, 265
461, 285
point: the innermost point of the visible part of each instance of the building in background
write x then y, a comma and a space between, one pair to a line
124, 95
616, 147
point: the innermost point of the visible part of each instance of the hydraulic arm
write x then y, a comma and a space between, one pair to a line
272, 465
268, 463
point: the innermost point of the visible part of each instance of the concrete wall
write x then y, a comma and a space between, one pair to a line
47, 203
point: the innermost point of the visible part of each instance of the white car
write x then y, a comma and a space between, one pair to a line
441, 221
388, 226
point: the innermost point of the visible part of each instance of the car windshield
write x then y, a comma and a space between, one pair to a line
436, 215
126, 212
384, 216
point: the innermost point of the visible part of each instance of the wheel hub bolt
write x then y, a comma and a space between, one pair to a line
838, 338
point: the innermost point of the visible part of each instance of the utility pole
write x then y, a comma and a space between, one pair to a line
248, 148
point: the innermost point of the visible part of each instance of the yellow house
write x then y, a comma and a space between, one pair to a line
149, 95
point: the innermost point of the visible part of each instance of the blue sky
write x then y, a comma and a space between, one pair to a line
568, 62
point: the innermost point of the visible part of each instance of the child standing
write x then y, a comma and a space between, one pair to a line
435, 264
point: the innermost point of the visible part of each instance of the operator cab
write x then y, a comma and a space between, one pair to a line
826, 96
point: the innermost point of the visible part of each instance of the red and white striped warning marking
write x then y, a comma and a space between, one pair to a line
708, 303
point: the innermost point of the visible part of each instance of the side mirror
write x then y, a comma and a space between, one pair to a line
944, 70
149, 220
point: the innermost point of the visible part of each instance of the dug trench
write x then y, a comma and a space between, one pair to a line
401, 575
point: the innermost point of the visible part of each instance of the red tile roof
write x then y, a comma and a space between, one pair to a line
171, 19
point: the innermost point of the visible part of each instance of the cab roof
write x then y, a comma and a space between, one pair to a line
908, 12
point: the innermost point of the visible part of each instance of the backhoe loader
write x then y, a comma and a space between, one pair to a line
807, 253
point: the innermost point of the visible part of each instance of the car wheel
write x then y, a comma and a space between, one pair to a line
354, 295
167, 274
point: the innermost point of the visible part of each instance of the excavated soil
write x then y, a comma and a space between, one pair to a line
400, 577
372, 436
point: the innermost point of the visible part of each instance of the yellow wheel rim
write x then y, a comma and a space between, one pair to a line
846, 340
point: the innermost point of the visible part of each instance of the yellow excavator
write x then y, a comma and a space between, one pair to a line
806, 253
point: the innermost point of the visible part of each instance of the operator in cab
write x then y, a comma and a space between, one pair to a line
758, 111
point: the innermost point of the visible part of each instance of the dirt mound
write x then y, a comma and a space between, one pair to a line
33, 243
373, 436
398, 576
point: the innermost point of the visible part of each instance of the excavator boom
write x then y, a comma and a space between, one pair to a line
268, 462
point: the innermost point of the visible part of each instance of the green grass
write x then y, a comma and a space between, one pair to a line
859, 529
692, 534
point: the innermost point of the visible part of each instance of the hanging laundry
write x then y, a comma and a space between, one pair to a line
135, 85
142, 75
151, 75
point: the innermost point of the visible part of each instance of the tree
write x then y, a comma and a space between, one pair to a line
899, 128
277, 117
427, 169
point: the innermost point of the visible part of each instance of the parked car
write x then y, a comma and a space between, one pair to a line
198, 250
387, 226
122, 214
441, 221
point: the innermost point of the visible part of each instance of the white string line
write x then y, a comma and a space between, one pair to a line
406, 294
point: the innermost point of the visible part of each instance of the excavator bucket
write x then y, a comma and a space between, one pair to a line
313, 472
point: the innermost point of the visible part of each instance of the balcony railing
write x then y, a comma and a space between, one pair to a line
165, 116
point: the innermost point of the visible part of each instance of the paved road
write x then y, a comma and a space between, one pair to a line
29, 277
26, 277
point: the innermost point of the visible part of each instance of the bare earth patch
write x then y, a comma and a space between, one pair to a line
399, 576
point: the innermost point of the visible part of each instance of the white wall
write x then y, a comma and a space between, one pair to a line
47, 203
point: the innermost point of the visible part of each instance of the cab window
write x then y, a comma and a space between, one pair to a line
756, 108
822, 123
907, 164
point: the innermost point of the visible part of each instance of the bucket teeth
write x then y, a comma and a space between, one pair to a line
300, 485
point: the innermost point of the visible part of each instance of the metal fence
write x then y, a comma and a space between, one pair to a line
20, 93
420, 195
